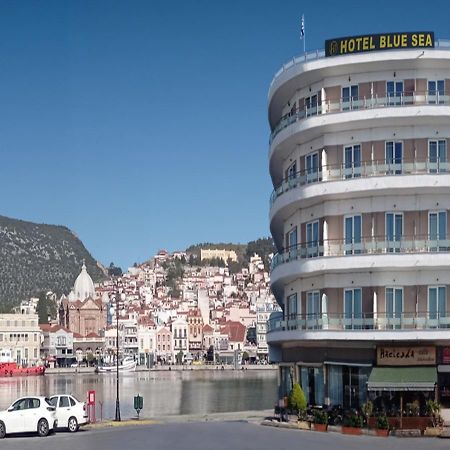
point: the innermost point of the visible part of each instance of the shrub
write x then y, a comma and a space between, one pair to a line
354, 420
297, 399
433, 410
320, 416
382, 422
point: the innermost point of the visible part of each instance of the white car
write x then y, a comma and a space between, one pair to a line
28, 414
70, 413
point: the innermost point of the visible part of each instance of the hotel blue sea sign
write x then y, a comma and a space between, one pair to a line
375, 42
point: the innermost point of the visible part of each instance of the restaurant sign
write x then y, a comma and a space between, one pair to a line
375, 42
406, 356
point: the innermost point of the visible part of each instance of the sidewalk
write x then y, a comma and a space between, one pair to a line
247, 416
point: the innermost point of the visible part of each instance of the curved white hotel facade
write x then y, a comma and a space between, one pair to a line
360, 217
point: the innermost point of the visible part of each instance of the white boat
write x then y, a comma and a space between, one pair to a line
127, 365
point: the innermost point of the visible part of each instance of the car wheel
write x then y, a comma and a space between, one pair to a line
2, 430
72, 425
43, 428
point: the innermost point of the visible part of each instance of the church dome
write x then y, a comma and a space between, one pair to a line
84, 286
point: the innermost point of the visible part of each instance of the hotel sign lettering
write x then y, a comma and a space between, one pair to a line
406, 356
374, 42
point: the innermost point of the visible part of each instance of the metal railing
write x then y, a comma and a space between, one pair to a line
362, 246
346, 104
363, 321
440, 44
362, 169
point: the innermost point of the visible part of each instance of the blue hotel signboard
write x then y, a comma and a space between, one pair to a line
376, 42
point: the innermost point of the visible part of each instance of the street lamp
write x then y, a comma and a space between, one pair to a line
118, 296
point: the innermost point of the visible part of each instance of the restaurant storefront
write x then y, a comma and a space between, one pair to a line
391, 377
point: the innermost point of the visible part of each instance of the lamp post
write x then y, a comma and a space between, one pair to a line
117, 297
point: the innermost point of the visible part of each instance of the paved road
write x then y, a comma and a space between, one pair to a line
214, 436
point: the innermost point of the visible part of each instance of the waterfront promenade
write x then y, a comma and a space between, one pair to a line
214, 436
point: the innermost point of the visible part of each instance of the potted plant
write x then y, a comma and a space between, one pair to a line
320, 420
382, 425
297, 402
353, 424
433, 410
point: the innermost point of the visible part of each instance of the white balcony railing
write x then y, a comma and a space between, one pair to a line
362, 321
362, 169
346, 104
362, 246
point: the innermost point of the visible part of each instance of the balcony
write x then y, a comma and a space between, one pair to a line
370, 321
362, 246
440, 44
394, 100
364, 169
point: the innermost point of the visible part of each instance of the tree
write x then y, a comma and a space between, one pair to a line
297, 399
45, 308
114, 271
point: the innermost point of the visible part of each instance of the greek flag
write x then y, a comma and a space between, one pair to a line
302, 27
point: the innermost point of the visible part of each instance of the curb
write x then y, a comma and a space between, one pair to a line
123, 423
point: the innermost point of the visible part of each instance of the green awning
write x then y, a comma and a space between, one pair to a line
402, 379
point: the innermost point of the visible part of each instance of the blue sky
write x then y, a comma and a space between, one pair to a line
142, 125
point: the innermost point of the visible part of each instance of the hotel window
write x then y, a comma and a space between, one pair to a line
1, 337
394, 92
313, 304
291, 303
311, 105
291, 243
436, 91
437, 154
352, 161
394, 157
437, 230
312, 239
394, 306
352, 308
394, 231
291, 172
353, 228
437, 302
312, 167
35, 353
350, 97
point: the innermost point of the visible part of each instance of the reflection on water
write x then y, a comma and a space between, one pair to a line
165, 393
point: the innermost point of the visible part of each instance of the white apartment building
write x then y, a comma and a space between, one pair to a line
360, 217
20, 336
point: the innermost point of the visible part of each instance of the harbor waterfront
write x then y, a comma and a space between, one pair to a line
165, 392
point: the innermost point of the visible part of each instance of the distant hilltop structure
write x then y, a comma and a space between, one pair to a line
224, 255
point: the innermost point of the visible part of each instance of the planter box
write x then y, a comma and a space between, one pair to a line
351, 430
432, 431
383, 433
408, 423
304, 425
320, 427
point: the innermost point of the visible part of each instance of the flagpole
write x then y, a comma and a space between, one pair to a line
303, 34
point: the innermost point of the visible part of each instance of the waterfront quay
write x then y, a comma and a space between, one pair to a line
213, 436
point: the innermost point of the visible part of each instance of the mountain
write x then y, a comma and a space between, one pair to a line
38, 257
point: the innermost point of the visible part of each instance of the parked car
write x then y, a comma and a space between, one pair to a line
28, 414
70, 413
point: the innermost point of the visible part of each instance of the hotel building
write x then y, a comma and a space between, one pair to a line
359, 214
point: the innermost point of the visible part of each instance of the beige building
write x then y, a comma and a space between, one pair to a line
225, 255
20, 337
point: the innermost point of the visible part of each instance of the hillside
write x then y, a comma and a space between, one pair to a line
36, 257
263, 247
